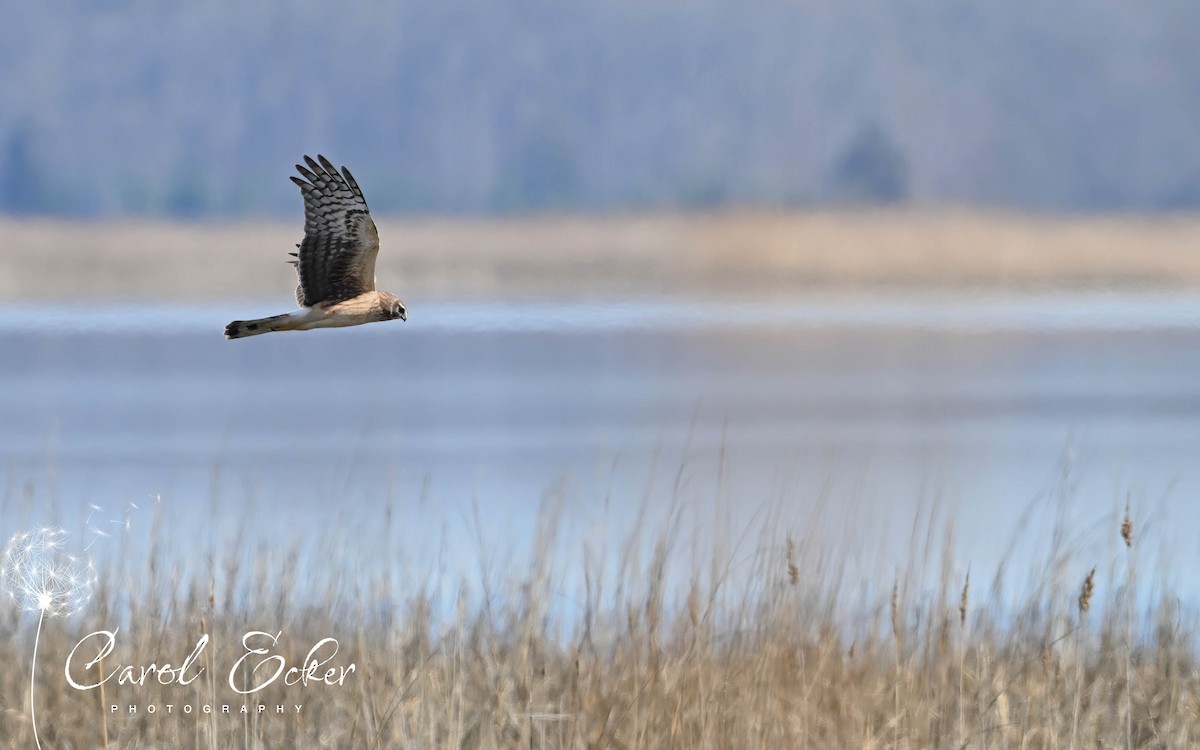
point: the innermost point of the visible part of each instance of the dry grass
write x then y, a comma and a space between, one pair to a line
725, 648
733, 253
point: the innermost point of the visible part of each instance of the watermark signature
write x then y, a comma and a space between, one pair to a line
40, 577
256, 669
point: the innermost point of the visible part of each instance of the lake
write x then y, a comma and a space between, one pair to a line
443, 436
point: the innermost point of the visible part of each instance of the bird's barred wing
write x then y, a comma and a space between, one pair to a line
336, 260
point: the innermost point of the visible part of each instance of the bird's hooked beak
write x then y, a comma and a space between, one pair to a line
403, 314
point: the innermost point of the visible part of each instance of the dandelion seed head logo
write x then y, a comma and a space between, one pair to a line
40, 577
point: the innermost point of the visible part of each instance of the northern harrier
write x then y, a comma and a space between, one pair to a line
336, 261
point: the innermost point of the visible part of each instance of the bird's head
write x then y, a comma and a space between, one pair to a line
393, 306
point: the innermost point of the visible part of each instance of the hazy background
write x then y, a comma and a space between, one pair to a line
112, 108
848, 259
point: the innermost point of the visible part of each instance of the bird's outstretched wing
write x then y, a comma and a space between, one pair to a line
336, 260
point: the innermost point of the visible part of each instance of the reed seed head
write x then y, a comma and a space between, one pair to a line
792, 568
962, 602
1127, 526
896, 609
1085, 593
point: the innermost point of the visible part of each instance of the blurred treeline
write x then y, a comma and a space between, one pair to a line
142, 107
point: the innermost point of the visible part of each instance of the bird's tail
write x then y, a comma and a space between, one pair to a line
241, 328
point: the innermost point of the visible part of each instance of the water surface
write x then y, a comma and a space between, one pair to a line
845, 417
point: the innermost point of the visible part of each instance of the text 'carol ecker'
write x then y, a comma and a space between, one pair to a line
257, 666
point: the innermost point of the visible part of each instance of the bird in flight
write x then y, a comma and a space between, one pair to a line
335, 262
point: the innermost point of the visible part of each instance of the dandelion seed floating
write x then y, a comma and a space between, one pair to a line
39, 577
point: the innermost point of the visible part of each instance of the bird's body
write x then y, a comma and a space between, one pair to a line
368, 307
335, 262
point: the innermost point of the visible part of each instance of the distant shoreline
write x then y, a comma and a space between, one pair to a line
741, 254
